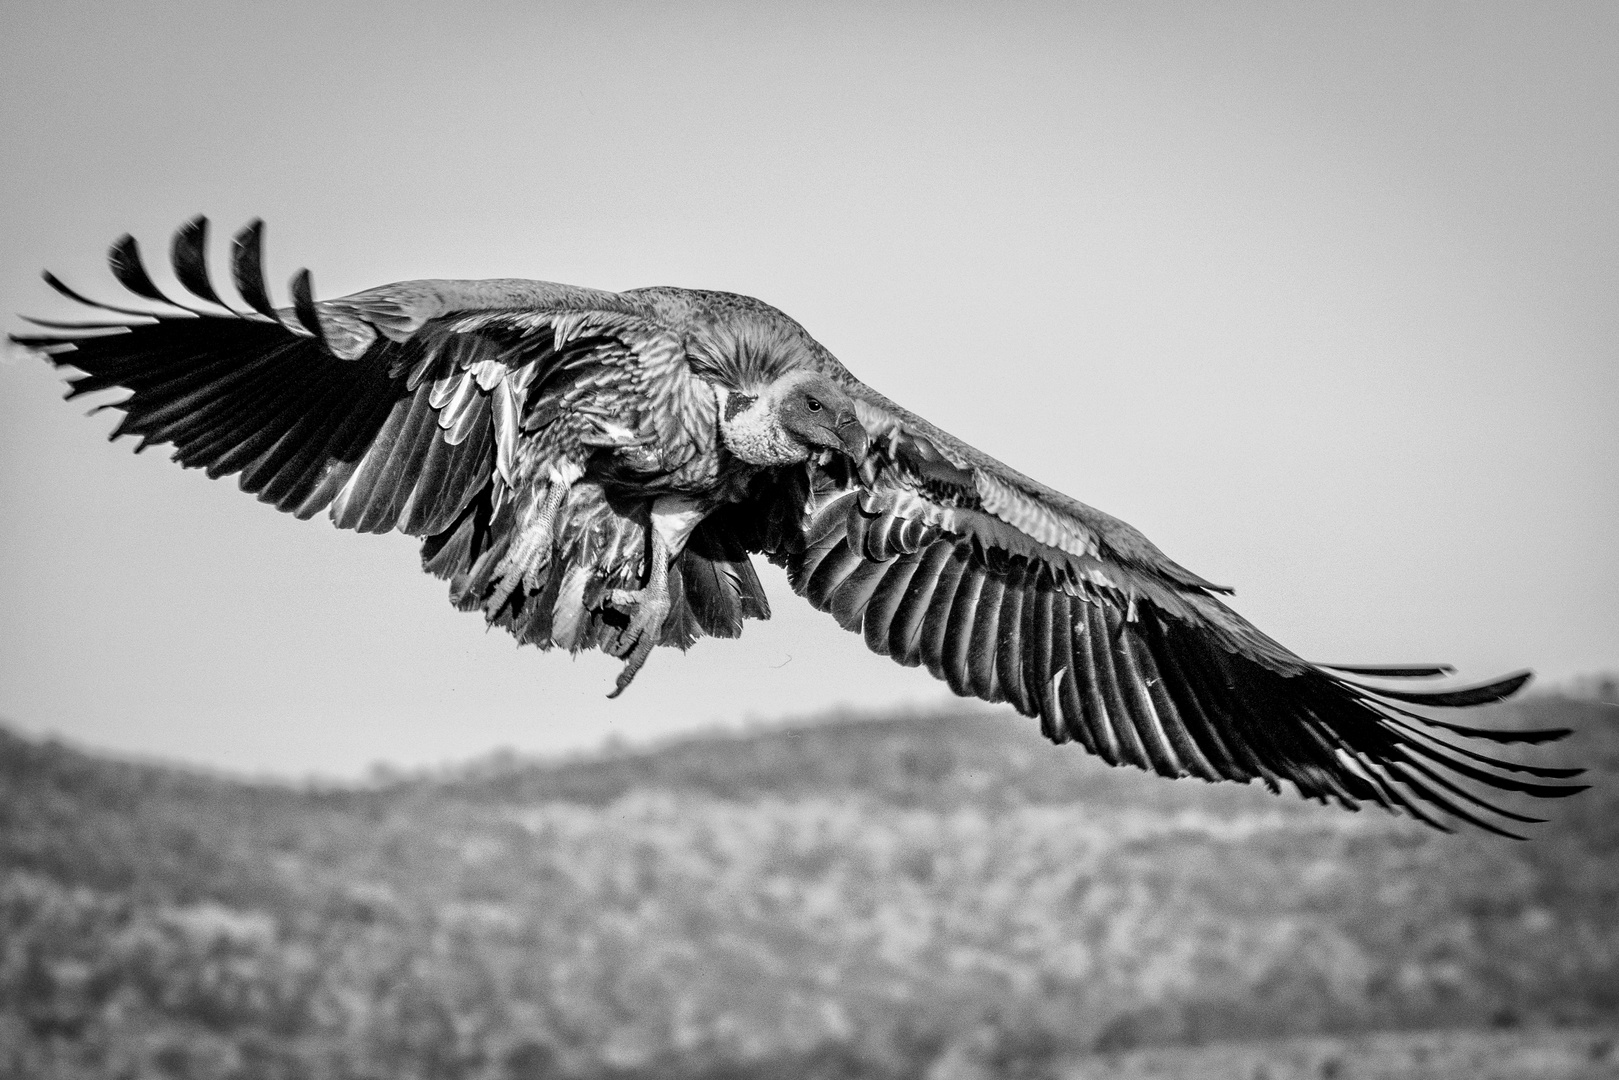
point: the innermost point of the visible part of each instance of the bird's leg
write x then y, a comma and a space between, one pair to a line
650, 606
673, 519
531, 551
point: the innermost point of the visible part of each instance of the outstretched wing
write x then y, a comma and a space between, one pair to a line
1009, 591
392, 408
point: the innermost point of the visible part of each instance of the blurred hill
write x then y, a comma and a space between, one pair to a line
939, 895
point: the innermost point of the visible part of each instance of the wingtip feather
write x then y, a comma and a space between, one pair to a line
124, 258
1394, 671
1462, 697
302, 288
77, 297
188, 254
247, 267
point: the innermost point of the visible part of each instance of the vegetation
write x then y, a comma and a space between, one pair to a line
932, 895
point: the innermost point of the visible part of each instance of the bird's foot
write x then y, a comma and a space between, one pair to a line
647, 609
530, 554
519, 569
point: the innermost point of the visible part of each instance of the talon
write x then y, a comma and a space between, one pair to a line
648, 609
503, 592
632, 666
532, 551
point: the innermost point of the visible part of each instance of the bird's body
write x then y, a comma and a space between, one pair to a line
594, 469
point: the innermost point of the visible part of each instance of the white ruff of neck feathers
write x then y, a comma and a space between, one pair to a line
755, 433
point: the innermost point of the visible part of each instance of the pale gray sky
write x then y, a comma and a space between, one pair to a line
1320, 296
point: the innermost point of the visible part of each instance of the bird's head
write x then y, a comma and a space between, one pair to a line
818, 413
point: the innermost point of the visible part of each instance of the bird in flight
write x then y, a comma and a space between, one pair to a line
594, 470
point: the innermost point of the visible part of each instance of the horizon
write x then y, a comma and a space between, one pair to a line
1594, 688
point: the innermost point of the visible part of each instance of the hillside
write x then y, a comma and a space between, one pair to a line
938, 895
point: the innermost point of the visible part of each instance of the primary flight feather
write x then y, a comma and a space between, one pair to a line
593, 469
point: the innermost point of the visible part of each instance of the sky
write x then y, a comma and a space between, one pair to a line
1321, 297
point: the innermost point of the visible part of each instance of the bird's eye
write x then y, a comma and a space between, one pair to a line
814, 406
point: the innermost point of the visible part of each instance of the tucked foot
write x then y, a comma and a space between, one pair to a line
531, 552
647, 609
512, 572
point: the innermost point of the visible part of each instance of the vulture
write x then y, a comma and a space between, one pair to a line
595, 470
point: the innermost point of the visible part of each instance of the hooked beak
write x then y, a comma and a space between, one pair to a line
853, 438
